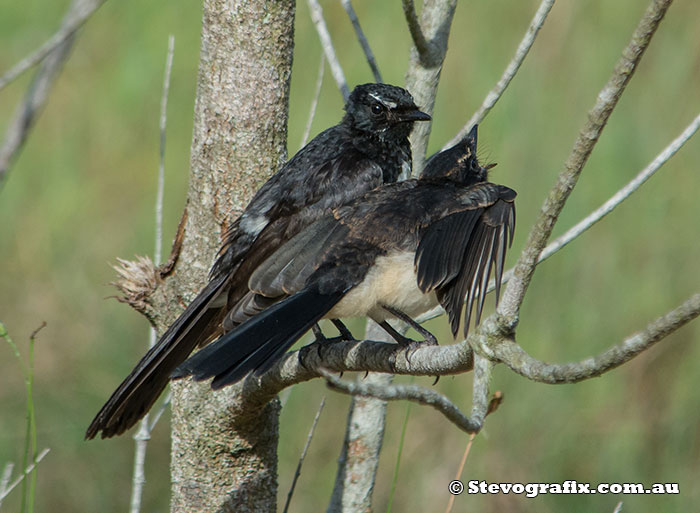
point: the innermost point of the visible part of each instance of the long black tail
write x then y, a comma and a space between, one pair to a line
259, 342
137, 393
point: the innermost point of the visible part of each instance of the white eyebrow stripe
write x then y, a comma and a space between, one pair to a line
386, 103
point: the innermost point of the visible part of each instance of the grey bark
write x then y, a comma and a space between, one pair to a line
430, 38
364, 435
223, 458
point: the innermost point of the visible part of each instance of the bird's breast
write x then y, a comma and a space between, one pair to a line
390, 282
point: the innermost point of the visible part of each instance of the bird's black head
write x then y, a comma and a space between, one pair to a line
458, 163
383, 110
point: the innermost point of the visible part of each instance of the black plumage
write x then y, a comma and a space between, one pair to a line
402, 247
367, 148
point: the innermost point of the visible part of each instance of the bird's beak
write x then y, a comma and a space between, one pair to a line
414, 115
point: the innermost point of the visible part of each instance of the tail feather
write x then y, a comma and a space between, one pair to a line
259, 342
137, 393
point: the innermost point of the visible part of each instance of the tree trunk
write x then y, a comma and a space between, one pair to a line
223, 460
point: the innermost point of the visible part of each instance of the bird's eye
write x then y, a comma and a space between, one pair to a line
377, 109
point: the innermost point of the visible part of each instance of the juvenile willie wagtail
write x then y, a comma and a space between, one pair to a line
395, 252
367, 148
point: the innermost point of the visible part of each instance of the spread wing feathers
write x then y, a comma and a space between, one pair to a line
287, 270
456, 254
257, 344
137, 393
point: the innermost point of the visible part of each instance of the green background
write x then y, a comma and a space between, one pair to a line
82, 193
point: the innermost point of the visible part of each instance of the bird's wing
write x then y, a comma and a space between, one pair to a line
456, 253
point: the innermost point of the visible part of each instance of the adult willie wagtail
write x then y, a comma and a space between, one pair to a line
395, 252
367, 148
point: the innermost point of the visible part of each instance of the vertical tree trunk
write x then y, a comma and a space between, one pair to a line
222, 460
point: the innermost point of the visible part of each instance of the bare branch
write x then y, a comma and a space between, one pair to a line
424, 67
621, 195
297, 473
598, 116
362, 39
328, 50
78, 13
34, 100
24, 474
480, 393
362, 444
314, 102
161, 166
513, 66
517, 359
157, 415
143, 435
5, 479
413, 393
409, 10
595, 216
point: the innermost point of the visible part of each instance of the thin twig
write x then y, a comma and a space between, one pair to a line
413, 393
460, 469
77, 15
314, 102
297, 472
143, 435
37, 95
513, 66
24, 474
618, 507
327, 45
5, 480
161, 166
155, 417
598, 116
621, 195
347, 5
517, 359
624, 193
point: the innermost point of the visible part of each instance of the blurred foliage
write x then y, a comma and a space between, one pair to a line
82, 193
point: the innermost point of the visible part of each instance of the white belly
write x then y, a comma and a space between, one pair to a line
391, 282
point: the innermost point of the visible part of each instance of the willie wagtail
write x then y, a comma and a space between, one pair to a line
395, 252
367, 148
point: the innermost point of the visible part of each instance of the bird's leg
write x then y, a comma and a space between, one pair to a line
342, 329
320, 337
322, 341
401, 339
429, 337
